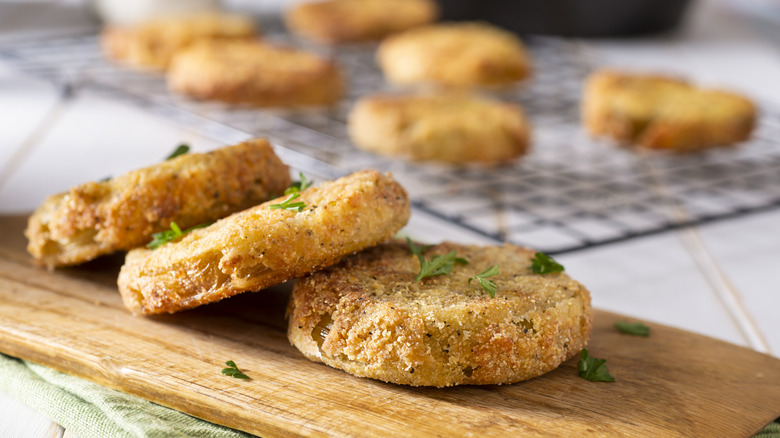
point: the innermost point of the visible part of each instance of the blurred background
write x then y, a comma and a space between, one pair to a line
707, 33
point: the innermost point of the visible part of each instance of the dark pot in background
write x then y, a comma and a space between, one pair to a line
580, 18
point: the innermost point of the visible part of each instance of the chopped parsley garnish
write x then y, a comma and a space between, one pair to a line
299, 186
486, 284
438, 265
633, 328
595, 370
163, 237
233, 371
544, 264
104, 179
417, 249
287, 204
180, 150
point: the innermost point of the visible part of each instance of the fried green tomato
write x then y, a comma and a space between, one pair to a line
370, 317
98, 218
152, 44
664, 113
454, 55
255, 73
449, 127
344, 21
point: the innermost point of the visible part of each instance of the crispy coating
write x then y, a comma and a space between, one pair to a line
98, 218
368, 317
455, 55
152, 44
255, 73
342, 21
660, 112
454, 128
261, 246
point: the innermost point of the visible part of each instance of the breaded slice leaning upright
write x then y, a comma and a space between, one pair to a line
265, 245
370, 317
98, 218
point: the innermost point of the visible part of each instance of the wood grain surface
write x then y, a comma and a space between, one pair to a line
672, 384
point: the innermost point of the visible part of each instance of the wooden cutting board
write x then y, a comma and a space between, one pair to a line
672, 384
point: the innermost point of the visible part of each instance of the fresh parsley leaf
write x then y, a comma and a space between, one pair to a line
163, 237
633, 328
438, 265
287, 204
299, 186
486, 284
544, 264
417, 249
233, 371
590, 368
104, 179
180, 150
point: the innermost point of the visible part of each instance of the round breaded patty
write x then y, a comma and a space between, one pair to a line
665, 113
454, 54
368, 317
454, 128
98, 218
152, 44
263, 246
255, 73
341, 21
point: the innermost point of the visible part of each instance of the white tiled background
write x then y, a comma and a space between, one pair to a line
720, 279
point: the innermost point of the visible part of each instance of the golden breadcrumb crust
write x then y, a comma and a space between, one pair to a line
454, 54
255, 73
152, 44
659, 112
98, 218
261, 246
341, 21
454, 128
368, 317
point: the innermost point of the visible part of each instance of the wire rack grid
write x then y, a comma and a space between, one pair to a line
571, 192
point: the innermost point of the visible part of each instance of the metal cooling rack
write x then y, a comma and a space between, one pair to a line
571, 192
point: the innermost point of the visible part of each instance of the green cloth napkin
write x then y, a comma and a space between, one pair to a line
772, 430
93, 411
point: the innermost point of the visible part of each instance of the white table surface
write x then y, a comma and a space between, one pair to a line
720, 279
